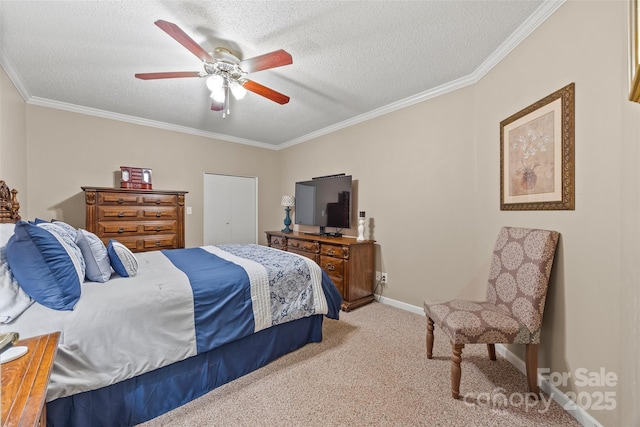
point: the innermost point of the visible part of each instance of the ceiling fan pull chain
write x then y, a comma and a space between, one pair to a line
227, 101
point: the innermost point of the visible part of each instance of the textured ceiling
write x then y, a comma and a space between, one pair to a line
352, 60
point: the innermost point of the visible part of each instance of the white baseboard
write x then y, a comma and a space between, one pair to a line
557, 395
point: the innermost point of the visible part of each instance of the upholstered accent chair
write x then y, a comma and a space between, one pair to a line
512, 312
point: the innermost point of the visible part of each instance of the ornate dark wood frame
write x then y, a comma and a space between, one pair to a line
567, 168
9, 206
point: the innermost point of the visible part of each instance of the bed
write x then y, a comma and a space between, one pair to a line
161, 328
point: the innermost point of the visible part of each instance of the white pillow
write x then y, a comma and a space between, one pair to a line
6, 231
122, 259
95, 256
13, 300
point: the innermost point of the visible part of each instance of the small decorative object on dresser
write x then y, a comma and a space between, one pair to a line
348, 262
142, 220
139, 178
361, 226
288, 202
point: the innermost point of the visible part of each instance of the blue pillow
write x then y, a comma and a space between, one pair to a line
122, 259
44, 266
95, 256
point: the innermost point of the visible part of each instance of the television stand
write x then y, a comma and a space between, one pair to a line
349, 264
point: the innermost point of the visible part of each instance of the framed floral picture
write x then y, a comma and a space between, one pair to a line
537, 155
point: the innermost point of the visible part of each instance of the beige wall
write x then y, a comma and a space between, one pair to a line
436, 230
69, 150
428, 178
13, 130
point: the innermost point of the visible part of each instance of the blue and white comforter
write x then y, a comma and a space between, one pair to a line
182, 302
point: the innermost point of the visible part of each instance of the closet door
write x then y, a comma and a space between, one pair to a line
230, 209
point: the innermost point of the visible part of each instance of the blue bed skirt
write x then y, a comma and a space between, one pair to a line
147, 396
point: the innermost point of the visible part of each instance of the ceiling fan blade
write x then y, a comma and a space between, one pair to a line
265, 91
167, 75
217, 106
181, 37
266, 61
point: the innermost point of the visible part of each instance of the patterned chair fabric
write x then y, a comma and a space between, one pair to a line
516, 293
512, 313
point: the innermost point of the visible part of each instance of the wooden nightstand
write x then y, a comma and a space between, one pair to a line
25, 381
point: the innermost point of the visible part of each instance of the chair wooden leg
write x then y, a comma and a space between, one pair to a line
492, 351
429, 338
456, 372
531, 357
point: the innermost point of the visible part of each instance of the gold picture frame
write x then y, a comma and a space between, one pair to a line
537, 169
634, 52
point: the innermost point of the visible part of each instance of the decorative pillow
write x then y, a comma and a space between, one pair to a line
45, 266
67, 227
66, 234
13, 300
122, 259
95, 256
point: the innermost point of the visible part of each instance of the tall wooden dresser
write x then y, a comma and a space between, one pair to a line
142, 220
349, 263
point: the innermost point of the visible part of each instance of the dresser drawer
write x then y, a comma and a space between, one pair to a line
106, 213
159, 242
107, 198
338, 282
159, 212
146, 243
124, 228
302, 246
278, 242
333, 250
121, 199
158, 199
160, 227
333, 266
309, 255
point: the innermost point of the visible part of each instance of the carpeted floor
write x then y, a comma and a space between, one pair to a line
371, 370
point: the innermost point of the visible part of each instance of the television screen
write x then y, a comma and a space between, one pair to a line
324, 202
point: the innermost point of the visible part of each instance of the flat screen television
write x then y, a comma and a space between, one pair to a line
324, 202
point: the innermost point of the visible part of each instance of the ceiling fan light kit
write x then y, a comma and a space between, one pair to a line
225, 72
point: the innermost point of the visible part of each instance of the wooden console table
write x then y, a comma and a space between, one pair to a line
25, 381
350, 264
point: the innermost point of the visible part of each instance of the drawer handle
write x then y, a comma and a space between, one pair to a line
120, 214
158, 214
120, 230
158, 228
330, 252
330, 267
294, 244
120, 200
158, 243
158, 201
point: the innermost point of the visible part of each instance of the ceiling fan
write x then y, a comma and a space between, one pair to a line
224, 71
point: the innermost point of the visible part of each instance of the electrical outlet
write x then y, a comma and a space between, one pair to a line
378, 276
384, 278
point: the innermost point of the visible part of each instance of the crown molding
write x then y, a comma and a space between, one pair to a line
543, 12
143, 122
